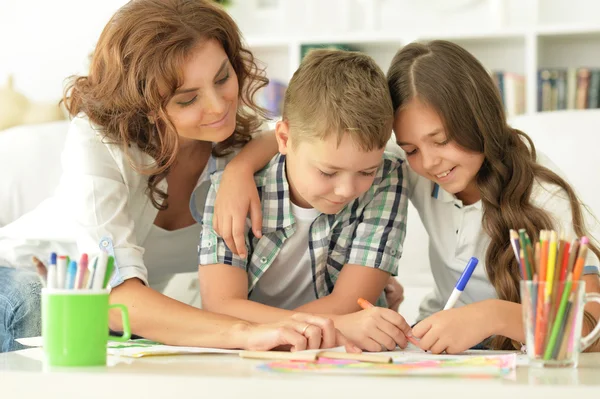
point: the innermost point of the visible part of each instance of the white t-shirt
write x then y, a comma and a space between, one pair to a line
99, 195
456, 234
287, 283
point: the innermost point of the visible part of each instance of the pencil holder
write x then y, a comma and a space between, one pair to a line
552, 316
75, 326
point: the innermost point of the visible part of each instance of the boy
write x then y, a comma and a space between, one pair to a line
334, 210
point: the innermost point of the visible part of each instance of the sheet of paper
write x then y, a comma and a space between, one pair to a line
141, 348
414, 353
470, 366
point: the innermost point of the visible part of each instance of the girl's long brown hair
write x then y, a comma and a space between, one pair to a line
454, 83
137, 66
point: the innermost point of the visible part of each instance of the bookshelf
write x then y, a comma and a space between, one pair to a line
516, 36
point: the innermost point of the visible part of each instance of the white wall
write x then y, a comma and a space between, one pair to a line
44, 41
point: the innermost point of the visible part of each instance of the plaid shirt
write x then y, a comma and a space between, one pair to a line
369, 231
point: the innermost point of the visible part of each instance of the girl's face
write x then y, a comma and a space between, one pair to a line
420, 132
205, 106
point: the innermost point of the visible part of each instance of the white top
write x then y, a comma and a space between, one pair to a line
170, 252
287, 283
99, 195
456, 234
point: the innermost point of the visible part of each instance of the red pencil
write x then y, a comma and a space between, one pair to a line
564, 262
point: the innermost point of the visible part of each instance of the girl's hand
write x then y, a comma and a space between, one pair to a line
237, 194
394, 293
375, 329
301, 331
456, 330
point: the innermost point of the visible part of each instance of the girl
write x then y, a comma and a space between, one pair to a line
472, 179
168, 97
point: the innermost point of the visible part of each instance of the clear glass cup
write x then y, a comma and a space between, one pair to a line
553, 317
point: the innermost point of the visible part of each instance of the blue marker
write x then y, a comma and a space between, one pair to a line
51, 280
71, 272
461, 283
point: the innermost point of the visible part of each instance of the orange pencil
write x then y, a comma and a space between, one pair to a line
363, 303
578, 269
540, 319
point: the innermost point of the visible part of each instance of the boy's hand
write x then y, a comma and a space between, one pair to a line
237, 195
455, 330
299, 332
375, 329
394, 293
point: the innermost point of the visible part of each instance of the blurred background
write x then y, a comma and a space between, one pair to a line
543, 54
537, 50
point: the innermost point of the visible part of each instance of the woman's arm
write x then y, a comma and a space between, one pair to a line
256, 154
160, 318
237, 193
157, 317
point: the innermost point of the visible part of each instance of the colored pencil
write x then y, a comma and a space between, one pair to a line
578, 268
514, 242
558, 322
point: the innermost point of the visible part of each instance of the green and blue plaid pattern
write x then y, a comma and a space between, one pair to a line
369, 231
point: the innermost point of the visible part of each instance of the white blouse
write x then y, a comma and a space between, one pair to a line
99, 195
456, 234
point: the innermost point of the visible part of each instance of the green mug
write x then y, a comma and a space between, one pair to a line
75, 326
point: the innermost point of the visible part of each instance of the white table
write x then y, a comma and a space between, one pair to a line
24, 375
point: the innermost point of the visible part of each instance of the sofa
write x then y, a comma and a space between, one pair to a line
30, 169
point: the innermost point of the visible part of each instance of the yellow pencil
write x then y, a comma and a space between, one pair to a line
551, 264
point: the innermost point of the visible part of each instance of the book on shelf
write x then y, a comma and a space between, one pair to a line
568, 88
511, 87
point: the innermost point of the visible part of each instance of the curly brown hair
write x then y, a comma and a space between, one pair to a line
137, 66
454, 83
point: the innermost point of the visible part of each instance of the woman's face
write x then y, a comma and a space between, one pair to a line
205, 106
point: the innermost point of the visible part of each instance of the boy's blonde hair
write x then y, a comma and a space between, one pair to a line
339, 92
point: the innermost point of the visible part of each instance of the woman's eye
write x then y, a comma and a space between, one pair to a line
186, 103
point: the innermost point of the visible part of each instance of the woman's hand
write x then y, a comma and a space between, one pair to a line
237, 195
394, 293
375, 329
456, 330
299, 332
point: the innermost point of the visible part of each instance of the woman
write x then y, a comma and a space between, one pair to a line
167, 100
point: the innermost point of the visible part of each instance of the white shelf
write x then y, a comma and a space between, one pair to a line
568, 30
479, 35
523, 49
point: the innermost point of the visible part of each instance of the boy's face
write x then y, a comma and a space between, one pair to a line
420, 132
324, 175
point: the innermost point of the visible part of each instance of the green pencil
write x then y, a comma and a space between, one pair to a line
525, 243
110, 266
559, 319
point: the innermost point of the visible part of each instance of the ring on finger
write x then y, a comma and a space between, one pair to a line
305, 328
